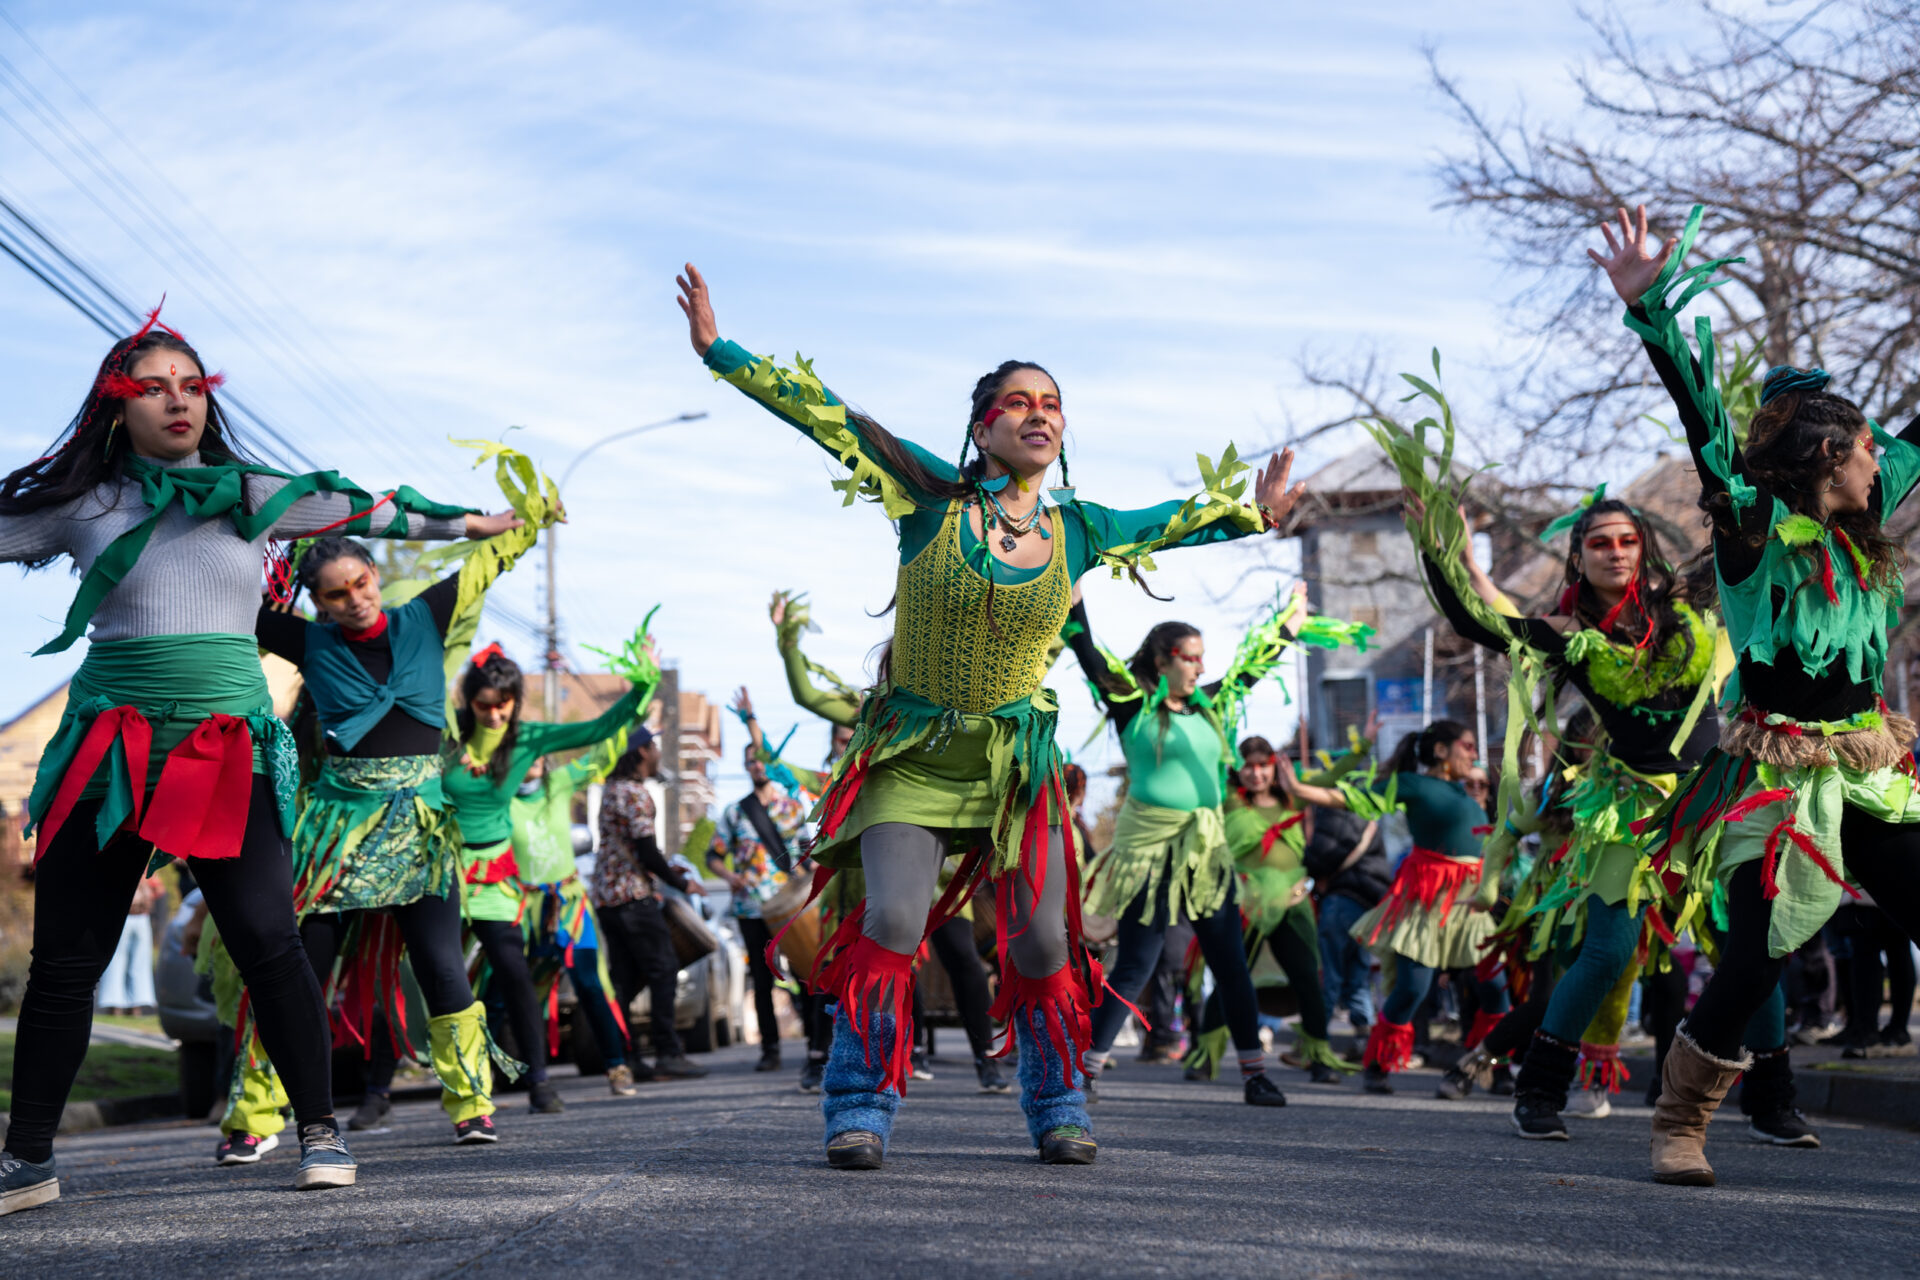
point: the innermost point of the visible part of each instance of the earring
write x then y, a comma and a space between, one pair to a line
107, 447
1834, 483
1063, 493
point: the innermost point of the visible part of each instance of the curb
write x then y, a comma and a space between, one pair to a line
82, 1117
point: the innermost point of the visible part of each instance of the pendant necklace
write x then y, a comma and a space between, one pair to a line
1012, 530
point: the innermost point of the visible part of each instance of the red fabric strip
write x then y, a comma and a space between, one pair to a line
199, 807
136, 736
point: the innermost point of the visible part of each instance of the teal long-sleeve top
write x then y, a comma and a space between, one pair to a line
1441, 816
1090, 528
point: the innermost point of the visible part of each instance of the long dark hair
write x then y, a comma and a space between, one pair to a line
91, 451
1784, 453
501, 674
1252, 748
321, 552
1651, 596
1422, 749
1144, 665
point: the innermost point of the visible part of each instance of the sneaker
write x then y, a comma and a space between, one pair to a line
812, 1074
244, 1148
678, 1067
1321, 1073
1786, 1128
1590, 1104
917, 1066
1374, 1080
1892, 1044
1455, 1085
620, 1081
1160, 1053
1069, 1144
24, 1185
769, 1060
478, 1129
372, 1112
1196, 1073
991, 1081
1501, 1085
1263, 1092
854, 1149
543, 1099
324, 1159
1535, 1120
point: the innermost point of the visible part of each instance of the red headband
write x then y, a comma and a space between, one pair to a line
153, 322
488, 654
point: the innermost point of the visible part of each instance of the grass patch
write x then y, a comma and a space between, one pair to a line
110, 1071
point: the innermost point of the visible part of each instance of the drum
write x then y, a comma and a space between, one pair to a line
801, 943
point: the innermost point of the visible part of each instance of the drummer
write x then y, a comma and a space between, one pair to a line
761, 838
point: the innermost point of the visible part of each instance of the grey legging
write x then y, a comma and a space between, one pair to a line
902, 865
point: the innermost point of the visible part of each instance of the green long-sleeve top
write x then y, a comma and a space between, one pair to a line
1441, 816
830, 705
1091, 529
483, 803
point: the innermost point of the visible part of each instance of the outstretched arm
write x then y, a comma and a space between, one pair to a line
1219, 513
1121, 705
799, 397
837, 705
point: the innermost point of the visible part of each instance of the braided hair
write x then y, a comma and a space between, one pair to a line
321, 552
1785, 453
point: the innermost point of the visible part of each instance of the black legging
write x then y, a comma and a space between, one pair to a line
1140, 948
755, 934
1295, 943
430, 927
640, 954
1879, 855
953, 947
1512, 1034
506, 948
80, 900
1870, 932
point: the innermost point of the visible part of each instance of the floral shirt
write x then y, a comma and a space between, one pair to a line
736, 841
626, 818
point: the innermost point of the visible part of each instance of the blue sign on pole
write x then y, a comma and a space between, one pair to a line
1398, 698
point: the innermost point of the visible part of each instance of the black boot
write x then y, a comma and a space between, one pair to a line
1540, 1092
1766, 1099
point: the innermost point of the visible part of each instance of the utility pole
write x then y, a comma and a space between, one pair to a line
669, 696
556, 661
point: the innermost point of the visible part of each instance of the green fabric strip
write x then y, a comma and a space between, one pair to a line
208, 493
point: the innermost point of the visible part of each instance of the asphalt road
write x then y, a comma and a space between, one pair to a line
723, 1177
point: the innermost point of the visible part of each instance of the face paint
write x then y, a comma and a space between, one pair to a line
1022, 402
341, 594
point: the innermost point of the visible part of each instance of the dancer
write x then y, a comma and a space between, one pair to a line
1171, 861
1268, 838
1813, 780
1643, 658
952, 942
494, 751
169, 742
562, 931
955, 745
373, 835
1427, 921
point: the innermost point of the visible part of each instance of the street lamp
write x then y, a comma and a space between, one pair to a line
552, 690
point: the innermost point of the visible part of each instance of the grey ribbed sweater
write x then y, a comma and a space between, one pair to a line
195, 576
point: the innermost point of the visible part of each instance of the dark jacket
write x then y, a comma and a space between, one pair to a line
1335, 832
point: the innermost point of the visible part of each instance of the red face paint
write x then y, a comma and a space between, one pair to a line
1022, 403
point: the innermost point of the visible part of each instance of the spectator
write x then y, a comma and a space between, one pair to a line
1348, 861
761, 838
127, 985
623, 888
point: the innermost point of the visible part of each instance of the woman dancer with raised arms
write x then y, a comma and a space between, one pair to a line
955, 747
169, 742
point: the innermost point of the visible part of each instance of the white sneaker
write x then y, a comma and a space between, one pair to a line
1589, 1104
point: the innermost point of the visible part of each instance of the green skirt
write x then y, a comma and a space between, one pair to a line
373, 834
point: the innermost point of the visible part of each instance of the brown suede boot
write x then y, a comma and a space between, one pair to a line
1692, 1086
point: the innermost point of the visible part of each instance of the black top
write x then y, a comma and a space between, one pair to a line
1335, 833
397, 734
1783, 687
1639, 743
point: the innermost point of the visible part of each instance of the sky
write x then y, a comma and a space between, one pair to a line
445, 220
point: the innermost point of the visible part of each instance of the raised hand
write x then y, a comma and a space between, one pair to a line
1270, 491
743, 703
1628, 262
694, 301
778, 609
